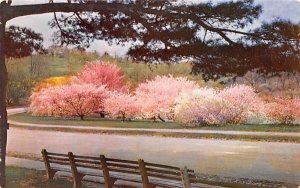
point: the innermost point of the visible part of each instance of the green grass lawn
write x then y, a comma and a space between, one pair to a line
97, 122
27, 178
22, 177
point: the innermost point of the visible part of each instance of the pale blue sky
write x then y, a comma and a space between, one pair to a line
286, 9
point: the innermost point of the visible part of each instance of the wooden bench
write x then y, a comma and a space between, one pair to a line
77, 166
55, 162
110, 170
154, 175
82, 166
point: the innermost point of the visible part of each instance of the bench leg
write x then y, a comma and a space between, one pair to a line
144, 175
77, 177
108, 181
111, 182
150, 185
77, 180
50, 174
185, 178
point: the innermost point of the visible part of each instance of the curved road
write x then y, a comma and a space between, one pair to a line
258, 160
21, 110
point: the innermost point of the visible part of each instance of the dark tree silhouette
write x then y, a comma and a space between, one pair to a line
161, 30
22, 41
212, 36
276, 50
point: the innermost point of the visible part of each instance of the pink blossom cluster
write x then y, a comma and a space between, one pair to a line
283, 110
244, 103
101, 73
84, 95
121, 104
68, 100
233, 105
99, 87
202, 106
156, 98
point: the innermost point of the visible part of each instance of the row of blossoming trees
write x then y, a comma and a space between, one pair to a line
99, 88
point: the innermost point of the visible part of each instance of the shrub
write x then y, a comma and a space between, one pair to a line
77, 100
18, 90
156, 98
202, 106
243, 103
283, 110
233, 105
52, 81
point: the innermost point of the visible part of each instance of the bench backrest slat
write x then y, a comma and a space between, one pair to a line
59, 162
57, 154
122, 165
58, 158
164, 176
86, 157
165, 166
121, 161
95, 162
162, 166
89, 166
163, 171
124, 171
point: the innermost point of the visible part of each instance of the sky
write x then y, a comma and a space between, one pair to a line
286, 9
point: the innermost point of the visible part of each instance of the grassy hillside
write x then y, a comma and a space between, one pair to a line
25, 72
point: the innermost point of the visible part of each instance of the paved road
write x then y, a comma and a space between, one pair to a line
21, 110
258, 160
262, 160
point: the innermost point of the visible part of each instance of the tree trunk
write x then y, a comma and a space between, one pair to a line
102, 114
81, 117
123, 117
3, 112
161, 118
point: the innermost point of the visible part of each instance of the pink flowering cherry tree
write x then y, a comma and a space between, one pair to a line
71, 100
202, 106
244, 103
120, 104
156, 98
283, 110
45, 102
100, 73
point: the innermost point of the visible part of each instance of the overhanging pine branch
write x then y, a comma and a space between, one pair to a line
11, 12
